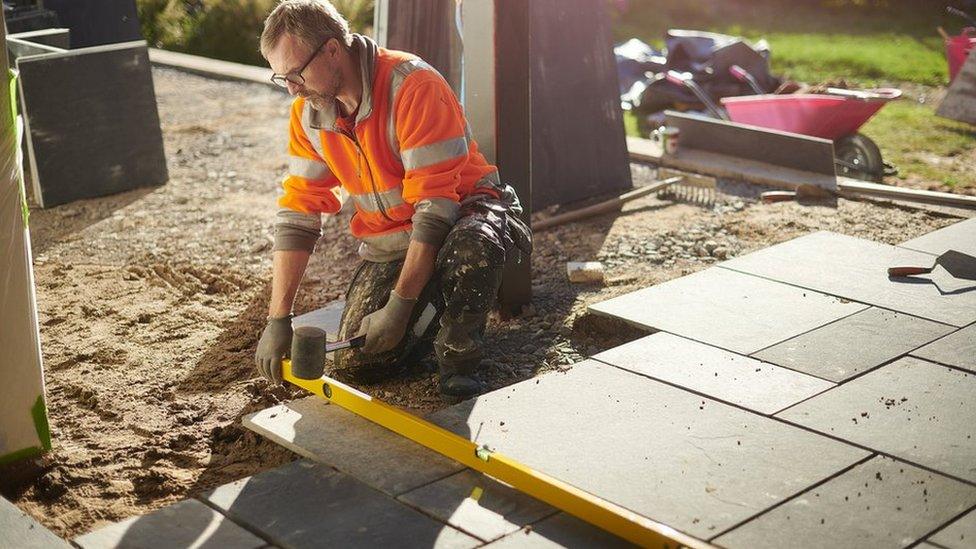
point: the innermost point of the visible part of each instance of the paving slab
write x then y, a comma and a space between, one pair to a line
306, 504
960, 236
711, 371
880, 503
372, 454
693, 463
956, 349
854, 344
20, 530
731, 310
958, 535
189, 524
911, 409
857, 269
327, 319
478, 505
561, 530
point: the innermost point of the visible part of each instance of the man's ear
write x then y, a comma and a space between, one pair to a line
332, 47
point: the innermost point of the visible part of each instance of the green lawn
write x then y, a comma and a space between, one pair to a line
865, 42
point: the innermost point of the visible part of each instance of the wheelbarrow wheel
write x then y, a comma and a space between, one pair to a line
859, 157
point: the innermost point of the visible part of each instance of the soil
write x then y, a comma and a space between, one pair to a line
151, 303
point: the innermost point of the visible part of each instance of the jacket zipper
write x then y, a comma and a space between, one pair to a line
359, 173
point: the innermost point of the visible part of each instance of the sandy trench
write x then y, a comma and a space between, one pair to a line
151, 302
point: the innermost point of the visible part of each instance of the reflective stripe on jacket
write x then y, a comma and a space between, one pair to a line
406, 164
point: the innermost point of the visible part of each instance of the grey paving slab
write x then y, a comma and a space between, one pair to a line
306, 504
857, 269
854, 344
328, 318
18, 529
960, 236
956, 349
561, 530
329, 434
188, 523
727, 309
724, 375
478, 505
958, 535
880, 503
693, 463
911, 409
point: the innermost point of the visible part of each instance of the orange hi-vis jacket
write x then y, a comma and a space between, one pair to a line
406, 163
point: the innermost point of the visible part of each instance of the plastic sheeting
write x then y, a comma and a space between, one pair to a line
706, 56
23, 417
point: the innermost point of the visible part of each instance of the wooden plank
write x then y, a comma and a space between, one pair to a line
856, 187
960, 101
788, 150
97, 131
762, 173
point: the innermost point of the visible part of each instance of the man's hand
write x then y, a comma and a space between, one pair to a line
387, 326
274, 343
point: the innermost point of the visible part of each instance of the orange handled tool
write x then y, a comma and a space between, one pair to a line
956, 263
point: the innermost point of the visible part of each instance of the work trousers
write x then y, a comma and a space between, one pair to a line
452, 310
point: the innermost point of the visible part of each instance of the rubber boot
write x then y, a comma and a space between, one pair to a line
459, 346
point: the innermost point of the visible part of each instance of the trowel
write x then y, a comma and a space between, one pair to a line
955, 263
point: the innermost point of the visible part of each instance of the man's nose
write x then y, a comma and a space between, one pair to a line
293, 88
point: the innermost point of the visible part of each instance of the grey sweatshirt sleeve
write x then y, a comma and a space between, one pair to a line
296, 230
433, 219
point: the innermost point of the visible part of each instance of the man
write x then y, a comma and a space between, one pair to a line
434, 221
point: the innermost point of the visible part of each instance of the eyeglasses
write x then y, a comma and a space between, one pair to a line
295, 77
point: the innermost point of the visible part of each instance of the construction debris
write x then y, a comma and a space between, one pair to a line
585, 271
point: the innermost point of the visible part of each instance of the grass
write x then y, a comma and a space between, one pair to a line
865, 42
922, 145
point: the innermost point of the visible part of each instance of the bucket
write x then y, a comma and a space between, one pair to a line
957, 48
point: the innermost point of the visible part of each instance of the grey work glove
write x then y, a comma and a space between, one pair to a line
275, 342
387, 326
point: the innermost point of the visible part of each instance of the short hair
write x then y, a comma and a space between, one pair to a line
311, 22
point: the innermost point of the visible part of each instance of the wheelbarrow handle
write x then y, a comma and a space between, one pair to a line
908, 271
676, 77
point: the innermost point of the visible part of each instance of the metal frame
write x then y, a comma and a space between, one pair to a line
599, 512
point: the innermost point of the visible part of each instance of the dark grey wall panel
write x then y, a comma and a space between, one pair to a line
92, 122
579, 147
97, 22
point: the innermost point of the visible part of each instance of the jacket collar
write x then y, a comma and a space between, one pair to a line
368, 51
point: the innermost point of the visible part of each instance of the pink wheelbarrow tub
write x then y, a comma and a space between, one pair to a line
836, 115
